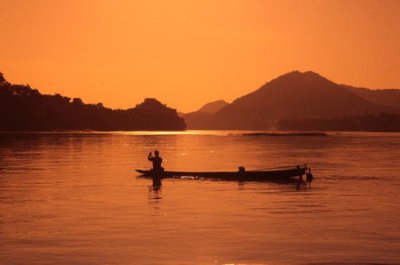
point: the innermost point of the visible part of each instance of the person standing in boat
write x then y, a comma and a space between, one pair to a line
156, 160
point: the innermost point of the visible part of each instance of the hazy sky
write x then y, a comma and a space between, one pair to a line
188, 52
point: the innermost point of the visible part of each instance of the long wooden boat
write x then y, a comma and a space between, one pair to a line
278, 174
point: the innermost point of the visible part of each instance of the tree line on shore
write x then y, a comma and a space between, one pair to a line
383, 122
25, 109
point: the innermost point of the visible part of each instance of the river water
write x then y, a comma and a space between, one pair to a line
74, 198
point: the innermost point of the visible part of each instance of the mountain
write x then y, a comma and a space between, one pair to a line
388, 97
213, 107
25, 109
290, 96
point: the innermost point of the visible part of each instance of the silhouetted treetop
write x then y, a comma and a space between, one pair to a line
150, 103
2, 78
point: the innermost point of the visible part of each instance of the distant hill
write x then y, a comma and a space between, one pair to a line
290, 96
25, 109
200, 119
213, 107
388, 97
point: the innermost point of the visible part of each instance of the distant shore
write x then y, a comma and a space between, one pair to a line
288, 134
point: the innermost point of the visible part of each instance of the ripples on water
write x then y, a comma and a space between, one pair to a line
74, 198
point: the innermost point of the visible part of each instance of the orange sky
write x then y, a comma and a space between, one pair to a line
189, 52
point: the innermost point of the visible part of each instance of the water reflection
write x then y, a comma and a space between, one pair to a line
155, 189
60, 192
279, 184
156, 183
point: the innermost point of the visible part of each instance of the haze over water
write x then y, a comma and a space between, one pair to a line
74, 198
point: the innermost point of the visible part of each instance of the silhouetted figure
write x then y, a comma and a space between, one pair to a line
157, 161
309, 176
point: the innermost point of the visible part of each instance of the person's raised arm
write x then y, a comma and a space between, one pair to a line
150, 157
